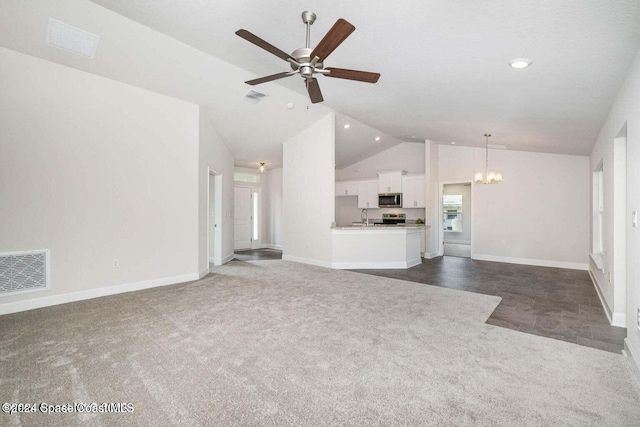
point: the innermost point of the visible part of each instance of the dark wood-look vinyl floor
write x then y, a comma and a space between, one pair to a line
551, 302
258, 254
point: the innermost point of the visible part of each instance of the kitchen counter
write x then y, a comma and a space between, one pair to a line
377, 247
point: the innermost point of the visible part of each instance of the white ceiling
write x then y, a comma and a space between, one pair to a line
444, 65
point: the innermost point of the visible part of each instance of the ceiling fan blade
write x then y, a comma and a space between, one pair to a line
336, 35
361, 76
263, 44
314, 90
269, 78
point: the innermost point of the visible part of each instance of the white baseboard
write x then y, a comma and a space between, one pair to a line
31, 304
375, 265
632, 359
228, 258
429, 255
270, 246
203, 273
531, 261
319, 263
615, 319
211, 260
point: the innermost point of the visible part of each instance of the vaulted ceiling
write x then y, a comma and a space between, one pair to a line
444, 65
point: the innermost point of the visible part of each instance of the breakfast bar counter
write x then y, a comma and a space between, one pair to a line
377, 247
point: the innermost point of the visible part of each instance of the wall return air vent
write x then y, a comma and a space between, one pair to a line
22, 272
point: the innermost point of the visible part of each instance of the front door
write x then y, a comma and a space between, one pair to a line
242, 218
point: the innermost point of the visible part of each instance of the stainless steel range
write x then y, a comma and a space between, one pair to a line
392, 219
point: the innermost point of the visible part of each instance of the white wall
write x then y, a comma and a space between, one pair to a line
538, 214
95, 170
309, 193
273, 209
214, 155
433, 199
408, 156
625, 110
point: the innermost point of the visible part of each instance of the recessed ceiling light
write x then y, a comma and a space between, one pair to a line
520, 63
453, 143
347, 126
377, 138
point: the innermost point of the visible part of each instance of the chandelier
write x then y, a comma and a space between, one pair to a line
489, 177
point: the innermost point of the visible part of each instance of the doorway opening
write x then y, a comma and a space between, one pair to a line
214, 217
455, 211
242, 223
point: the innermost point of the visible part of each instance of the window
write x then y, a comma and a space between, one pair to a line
246, 177
255, 216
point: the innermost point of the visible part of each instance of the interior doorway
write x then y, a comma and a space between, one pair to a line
242, 214
214, 217
455, 229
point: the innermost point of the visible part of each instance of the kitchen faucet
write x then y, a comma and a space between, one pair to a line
365, 217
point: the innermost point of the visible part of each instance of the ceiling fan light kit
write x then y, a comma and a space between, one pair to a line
307, 62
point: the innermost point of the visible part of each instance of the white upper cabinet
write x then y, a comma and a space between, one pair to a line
390, 182
347, 188
414, 191
368, 194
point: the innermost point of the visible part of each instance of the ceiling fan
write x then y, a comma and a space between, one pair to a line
307, 62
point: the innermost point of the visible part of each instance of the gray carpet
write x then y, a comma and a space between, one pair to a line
279, 343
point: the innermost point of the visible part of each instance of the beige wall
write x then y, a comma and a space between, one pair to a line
408, 156
538, 214
308, 200
624, 113
273, 209
214, 155
95, 170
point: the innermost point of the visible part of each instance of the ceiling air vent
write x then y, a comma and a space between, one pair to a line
254, 97
71, 39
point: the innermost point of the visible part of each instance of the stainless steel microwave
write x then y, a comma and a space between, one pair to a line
390, 200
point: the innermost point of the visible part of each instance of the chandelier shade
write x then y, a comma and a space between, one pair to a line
488, 177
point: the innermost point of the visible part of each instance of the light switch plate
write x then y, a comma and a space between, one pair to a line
634, 219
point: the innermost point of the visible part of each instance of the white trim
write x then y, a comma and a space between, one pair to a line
429, 255
34, 303
270, 246
217, 232
203, 273
603, 302
375, 265
212, 260
632, 360
228, 258
531, 261
458, 242
615, 319
598, 260
309, 261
